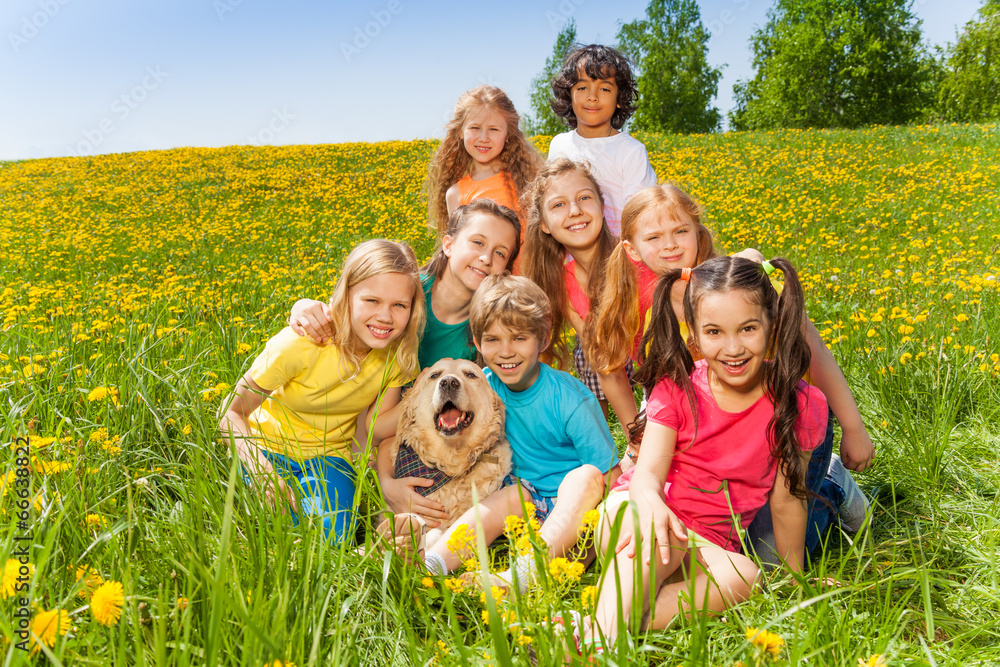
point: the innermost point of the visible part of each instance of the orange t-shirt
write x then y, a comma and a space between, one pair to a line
497, 187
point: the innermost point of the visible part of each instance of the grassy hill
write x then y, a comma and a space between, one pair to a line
135, 288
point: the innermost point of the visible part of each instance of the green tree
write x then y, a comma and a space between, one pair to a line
676, 84
544, 120
836, 63
970, 88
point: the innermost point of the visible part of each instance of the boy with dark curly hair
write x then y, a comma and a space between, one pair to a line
595, 94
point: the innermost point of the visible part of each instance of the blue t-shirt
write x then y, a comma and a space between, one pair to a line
554, 426
442, 340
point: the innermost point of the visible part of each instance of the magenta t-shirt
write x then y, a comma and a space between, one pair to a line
730, 456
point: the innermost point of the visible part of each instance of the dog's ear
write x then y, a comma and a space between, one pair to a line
409, 404
496, 429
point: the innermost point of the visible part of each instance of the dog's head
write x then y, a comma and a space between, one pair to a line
451, 416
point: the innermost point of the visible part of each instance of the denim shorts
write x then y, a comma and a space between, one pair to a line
543, 504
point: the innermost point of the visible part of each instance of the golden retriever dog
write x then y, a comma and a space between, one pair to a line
451, 429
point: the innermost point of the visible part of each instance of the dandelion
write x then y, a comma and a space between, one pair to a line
280, 663
106, 603
48, 626
524, 640
905, 358
768, 642
14, 572
101, 393
95, 521
876, 660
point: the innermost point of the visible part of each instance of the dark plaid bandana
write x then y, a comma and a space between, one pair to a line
408, 464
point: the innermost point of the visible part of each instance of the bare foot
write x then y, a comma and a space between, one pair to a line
405, 532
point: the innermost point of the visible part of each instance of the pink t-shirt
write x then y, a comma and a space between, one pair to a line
730, 456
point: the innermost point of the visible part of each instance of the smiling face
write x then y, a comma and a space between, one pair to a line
484, 135
732, 333
480, 249
663, 242
572, 212
511, 354
594, 103
380, 308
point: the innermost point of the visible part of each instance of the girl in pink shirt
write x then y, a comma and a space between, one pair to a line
722, 437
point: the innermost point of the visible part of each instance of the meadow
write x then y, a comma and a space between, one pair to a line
136, 288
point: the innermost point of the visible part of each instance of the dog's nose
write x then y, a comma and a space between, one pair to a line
449, 382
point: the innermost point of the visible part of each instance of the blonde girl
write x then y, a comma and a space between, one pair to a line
481, 239
662, 230
723, 436
565, 216
483, 155
292, 417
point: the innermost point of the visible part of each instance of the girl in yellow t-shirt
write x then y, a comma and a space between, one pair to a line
293, 415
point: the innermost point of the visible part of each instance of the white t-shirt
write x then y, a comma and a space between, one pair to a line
620, 164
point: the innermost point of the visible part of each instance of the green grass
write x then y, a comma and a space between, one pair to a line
161, 274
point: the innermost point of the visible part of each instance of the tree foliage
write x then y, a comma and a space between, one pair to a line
676, 84
836, 63
544, 120
970, 88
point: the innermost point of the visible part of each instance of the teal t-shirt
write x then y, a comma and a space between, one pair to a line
443, 340
554, 426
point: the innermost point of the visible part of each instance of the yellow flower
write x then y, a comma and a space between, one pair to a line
427, 582
11, 572
564, 570
513, 525
905, 357
242, 348
106, 603
49, 626
462, 539
280, 663
443, 648
91, 580
471, 565
767, 641
961, 317
876, 660
182, 603
454, 584
100, 393
95, 521
588, 596
524, 640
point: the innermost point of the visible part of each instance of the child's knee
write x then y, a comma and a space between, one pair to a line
587, 480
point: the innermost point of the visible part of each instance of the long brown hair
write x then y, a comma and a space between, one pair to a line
459, 220
544, 257
616, 318
664, 352
518, 161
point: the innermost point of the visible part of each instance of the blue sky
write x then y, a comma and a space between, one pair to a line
81, 77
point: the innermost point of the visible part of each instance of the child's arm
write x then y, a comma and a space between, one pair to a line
247, 397
452, 198
619, 393
789, 515
311, 318
646, 491
856, 449
399, 494
388, 415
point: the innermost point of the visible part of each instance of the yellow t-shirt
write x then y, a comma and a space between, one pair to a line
314, 404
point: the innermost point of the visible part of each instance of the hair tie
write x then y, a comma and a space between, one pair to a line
768, 267
686, 274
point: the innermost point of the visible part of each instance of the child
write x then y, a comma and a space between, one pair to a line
292, 416
662, 229
566, 216
561, 443
483, 154
482, 238
723, 435
595, 94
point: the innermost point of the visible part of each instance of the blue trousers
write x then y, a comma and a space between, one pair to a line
325, 487
822, 511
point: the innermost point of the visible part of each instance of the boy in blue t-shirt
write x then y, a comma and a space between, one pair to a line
561, 443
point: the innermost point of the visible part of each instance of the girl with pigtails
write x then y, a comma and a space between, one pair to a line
723, 436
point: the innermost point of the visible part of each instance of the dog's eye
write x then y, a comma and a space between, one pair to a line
470, 374
436, 375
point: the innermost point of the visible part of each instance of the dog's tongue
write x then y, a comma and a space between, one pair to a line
449, 418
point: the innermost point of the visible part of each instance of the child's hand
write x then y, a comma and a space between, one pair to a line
313, 319
663, 522
275, 489
856, 449
402, 499
752, 254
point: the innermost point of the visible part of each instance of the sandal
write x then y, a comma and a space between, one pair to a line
407, 535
